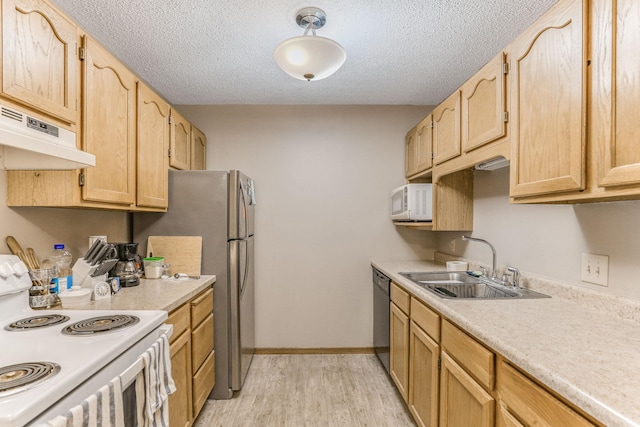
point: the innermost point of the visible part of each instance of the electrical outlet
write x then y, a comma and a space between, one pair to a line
595, 269
452, 245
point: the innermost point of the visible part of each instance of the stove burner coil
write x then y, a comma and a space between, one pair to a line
36, 322
23, 376
96, 325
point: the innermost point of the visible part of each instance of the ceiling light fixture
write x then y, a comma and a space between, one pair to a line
310, 57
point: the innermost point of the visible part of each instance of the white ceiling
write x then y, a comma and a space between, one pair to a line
221, 52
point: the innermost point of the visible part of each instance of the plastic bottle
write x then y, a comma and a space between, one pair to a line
61, 258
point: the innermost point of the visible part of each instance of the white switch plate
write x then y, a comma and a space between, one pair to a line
452, 245
595, 269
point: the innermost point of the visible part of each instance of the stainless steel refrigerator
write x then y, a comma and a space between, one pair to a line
219, 206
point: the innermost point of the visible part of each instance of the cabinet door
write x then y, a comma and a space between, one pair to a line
463, 402
410, 153
180, 142
198, 149
153, 145
616, 90
108, 127
423, 377
424, 144
483, 105
547, 84
532, 404
446, 129
399, 357
39, 58
180, 400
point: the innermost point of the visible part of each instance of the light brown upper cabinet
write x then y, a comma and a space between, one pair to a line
418, 148
198, 149
39, 58
108, 126
180, 154
411, 152
483, 105
424, 144
153, 146
547, 84
446, 129
615, 107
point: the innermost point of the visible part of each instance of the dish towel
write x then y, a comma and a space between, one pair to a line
154, 384
102, 409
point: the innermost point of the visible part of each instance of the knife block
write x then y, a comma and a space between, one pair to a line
81, 270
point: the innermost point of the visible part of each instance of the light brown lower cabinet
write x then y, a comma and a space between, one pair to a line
424, 353
450, 379
192, 358
180, 400
399, 350
463, 402
525, 403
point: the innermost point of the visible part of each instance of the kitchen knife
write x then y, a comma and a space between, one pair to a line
100, 255
95, 247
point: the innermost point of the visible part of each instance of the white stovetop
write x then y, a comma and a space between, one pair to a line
79, 357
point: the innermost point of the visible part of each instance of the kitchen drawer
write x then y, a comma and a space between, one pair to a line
400, 297
533, 405
471, 355
201, 342
426, 318
201, 307
203, 382
180, 319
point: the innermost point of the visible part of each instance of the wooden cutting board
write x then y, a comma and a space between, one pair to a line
184, 253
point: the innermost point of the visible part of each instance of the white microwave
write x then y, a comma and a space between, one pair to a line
412, 202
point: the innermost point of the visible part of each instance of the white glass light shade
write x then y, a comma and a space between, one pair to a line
309, 57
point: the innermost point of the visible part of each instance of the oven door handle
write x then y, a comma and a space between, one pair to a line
129, 375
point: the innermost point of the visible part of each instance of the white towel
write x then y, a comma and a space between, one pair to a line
102, 409
154, 384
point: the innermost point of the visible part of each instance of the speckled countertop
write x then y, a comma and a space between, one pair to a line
590, 357
154, 294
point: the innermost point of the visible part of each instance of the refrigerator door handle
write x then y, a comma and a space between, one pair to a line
245, 208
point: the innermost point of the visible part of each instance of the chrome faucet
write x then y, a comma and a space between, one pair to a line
516, 276
494, 274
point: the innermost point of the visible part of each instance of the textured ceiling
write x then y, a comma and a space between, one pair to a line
221, 51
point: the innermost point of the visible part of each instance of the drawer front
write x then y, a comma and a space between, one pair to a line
201, 342
426, 318
203, 382
532, 404
180, 319
201, 307
470, 354
400, 297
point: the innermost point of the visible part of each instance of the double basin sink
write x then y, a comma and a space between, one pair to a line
461, 285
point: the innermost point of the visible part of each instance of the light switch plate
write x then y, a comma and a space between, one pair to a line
595, 269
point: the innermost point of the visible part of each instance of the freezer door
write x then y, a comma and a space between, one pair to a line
242, 319
241, 205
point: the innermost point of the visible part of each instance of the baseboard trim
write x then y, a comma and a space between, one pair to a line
336, 350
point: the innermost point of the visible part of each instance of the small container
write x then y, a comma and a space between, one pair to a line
457, 266
153, 267
166, 271
75, 297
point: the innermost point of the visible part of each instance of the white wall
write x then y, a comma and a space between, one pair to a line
549, 239
41, 228
323, 177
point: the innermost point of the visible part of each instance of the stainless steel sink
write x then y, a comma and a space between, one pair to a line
460, 285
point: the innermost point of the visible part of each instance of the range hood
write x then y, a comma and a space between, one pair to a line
28, 143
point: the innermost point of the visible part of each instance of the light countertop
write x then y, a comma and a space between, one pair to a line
155, 294
590, 357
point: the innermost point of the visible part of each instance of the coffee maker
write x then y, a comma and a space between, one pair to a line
129, 267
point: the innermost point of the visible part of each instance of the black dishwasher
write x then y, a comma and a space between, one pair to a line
381, 300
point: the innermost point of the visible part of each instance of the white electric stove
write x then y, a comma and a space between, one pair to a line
65, 367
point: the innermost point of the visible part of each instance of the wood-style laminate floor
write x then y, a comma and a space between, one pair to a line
311, 390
